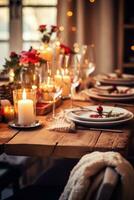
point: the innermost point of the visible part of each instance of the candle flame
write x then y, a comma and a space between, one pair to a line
58, 72
24, 95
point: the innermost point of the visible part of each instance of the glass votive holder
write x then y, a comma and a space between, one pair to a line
25, 106
8, 112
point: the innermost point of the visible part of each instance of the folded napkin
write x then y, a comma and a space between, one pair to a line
62, 124
80, 96
80, 179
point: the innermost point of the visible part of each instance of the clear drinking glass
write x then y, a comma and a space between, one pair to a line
74, 70
51, 89
87, 63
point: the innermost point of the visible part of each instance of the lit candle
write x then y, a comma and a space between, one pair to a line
26, 114
34, 87
46, 53
11, 75
66, 83
58, 79
48, 89
8, 113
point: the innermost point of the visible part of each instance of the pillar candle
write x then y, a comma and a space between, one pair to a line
58, 79
26, 115
66, 85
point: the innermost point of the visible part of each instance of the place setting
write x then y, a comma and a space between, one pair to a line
116, 78
97, 117
111, 93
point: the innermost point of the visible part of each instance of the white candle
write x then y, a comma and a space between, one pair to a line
58, 79
66, 83
66, 86
26, 114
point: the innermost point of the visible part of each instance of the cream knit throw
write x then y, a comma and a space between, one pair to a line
89, 165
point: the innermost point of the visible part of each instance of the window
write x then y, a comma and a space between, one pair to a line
20, 30
36, 12
4, 30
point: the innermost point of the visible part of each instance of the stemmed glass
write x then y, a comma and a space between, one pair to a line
51, 89
74, 69
87, 63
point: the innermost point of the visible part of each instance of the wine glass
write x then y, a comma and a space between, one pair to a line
74, 69
51, 90
87, 64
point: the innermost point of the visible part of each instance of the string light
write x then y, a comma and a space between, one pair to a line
69, 13
74, 28
92, 1
61, 28
132, 47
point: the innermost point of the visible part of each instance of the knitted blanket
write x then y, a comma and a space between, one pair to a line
89, 165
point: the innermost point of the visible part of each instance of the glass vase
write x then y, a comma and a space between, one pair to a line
29, 77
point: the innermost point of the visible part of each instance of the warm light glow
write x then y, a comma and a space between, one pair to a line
74, 28
132, 47
61, 28
76, 49
57, 43
66, 71
24, 95
58, 72
92, 1
34, 87
69, 13
76, 44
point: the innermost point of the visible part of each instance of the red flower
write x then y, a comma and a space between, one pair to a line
13, 54
29, 57
42, 28
65, 49
54, 28
100, 109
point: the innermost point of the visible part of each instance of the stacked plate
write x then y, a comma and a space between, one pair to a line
89, 116
110, 93
113, 79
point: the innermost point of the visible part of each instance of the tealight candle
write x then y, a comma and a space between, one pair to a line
48, 89
26, 114
8, 112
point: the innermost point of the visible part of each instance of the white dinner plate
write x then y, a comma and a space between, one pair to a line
96, 96
100, 124
87, 113
111, 79
104, 91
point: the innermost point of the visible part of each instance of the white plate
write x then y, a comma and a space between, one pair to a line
100, 124
127, 79
103, 91
85, 113
96, 96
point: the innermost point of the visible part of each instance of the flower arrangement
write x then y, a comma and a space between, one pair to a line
16, 61
65, 49
30, 58
12, 63
47, 32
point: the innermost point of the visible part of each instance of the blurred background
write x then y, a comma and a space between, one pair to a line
107, 24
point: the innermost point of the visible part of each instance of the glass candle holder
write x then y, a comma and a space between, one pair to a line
8, 112
25, 106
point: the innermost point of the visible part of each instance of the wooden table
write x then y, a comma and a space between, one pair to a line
41, 142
